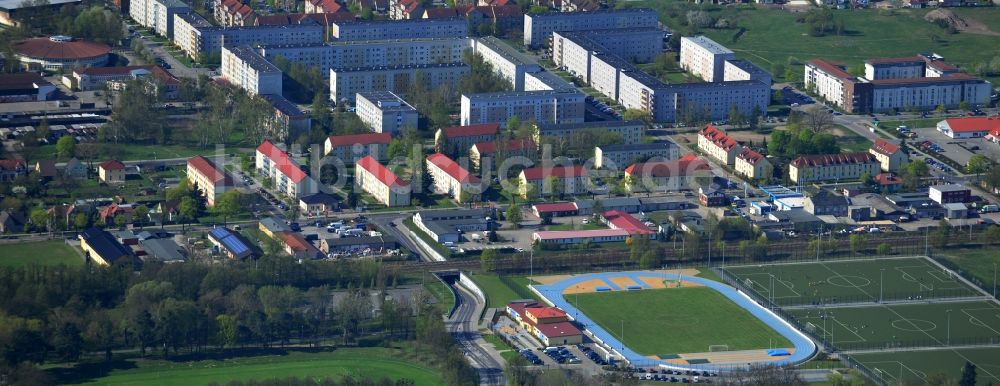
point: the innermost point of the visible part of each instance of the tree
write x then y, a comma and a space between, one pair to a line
488, 260
650, 259
638, 115
942, 234
67, 342
884, 249
517, 374
941, 109
818, 119
978, 164
513, 215
992, 235
913, 174
188, 208
66, 147
229, 204
81, 221
857, 241
963, 105
139, 215
968, 375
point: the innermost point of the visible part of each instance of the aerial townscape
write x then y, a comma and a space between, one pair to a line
499, 192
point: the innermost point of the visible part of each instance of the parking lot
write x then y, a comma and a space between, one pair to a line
957, 150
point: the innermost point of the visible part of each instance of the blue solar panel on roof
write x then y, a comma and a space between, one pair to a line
219, 232
234, 244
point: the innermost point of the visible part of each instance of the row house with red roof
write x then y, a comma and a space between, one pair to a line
616, 219
451, 178
380, 182
666, 176
717, 144
208, 178
889, 155
484, 155
753, 165
832, 167
538, 181
286, 174
234, 13
461, 138
351, 148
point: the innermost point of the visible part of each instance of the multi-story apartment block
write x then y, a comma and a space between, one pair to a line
346, 82
204, 176
890, 157
286, 174
288, 120
460, 138
636, 45
753, 165
456, 27
704, 57
451, 178
739, 69
364, 53
617, 157
892, 84
385, 112
351, 148
719, 145
539, 106
830, 167
196, 36
157, 15
381, 183
325, 20
486, 156
540, 181
244, 67
538, 28
631, 131
506, 61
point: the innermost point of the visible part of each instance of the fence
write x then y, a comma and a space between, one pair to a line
861, 299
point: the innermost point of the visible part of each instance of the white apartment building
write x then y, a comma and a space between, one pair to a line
538, 28
753, 165
832, 167
374, 53
286, 174
506, 61
894, 68
928, 93
456, 27
385, 112
157, 15
704, 57
452, 179
381, 183
630, 131
829, 81
617, 157
639, 45
346, 82
739, 69
351, 148
539, 106
245, 68
717, 144
195, 35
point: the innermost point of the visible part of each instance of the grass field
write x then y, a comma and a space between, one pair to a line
980, 263
677, 321
499, 291
772, 36
851, 281
53, 252
910, 324
915, 366
442, 294
358, 362
850, 141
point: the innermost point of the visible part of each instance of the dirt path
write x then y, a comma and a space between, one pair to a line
970, 25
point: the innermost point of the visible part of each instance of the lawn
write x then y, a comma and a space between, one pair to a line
772, 36
677, 321
905, 325
129, 152
980, 263
442, 294
53, 252
850, 141
501, 290
851, 281
916, 366
910, 123
575, 226
373, 363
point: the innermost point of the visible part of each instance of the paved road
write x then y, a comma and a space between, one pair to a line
390, 223
462, 326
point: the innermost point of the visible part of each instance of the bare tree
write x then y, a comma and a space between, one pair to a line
818, 119
763, 376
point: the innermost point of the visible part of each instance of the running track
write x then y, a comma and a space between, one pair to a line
553, 293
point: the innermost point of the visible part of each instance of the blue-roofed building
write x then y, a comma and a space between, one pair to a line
233, 244
102, 248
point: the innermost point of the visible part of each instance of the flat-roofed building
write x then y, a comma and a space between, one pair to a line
506, 61
753, 165
704, 58
538, 28
288, 120
452, 179
385, 112
539, 106
617, 157
739, 69
351, 148
245, 68
949, 194
94, 78
157, 15
380, 182
204, 176
25, 87
345, 83
832, 167
400, 29
456, 139
719, 145
197, 37
630, 131
577, 237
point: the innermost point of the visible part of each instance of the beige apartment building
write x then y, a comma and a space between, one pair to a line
832, 167
375, 179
